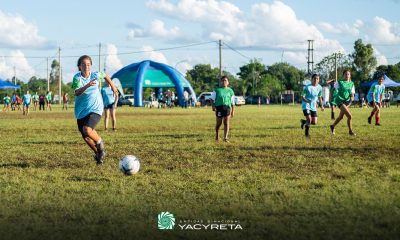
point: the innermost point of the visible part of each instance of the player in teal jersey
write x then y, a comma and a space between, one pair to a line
311, 94
89, 104
7, 101
374, 97
343, 99
35, 99
223, 105
26, 101
110, 101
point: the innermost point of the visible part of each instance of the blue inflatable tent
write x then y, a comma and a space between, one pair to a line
150, 74
387, 82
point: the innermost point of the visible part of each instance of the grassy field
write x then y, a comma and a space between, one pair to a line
269, 178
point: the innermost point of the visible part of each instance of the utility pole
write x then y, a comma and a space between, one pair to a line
310, 58
15, 76
335, 66
48, 77
59, 76
220, 58
100, 62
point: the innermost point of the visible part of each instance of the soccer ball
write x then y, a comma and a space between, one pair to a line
129, 165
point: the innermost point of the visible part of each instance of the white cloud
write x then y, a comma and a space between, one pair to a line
379, 30
272, 26
16, 32
342, 28
22, 68
380, 58
157, 28
113, 63
150, 54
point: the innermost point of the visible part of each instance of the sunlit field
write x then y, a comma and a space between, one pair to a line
269, 179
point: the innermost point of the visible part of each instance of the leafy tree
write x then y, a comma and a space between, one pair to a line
326, 67
203, 78
364, 61
250, 76
392, 71
37, 85
289, 76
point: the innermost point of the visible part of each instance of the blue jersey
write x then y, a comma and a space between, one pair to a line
311, 93
90, 100
27, 98
108, 96
377, 90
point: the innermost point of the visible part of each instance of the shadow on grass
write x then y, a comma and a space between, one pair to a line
14, 165
88, 179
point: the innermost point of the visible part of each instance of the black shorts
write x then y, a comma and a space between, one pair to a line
347, 103
332, 104
222, 111
109, 106
371, 104
91, 120
309, 112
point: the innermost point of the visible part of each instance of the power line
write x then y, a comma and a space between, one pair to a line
241, 54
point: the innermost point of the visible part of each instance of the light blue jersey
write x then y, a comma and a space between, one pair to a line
108, 95
311, 93
27, 99
377, 90
90, 101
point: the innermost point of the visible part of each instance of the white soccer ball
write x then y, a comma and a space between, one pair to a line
129, 165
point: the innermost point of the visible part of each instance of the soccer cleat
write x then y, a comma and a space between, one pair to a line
332, 129
302, 121
226, 140
369, 120
101, 153
377, 124
352, 133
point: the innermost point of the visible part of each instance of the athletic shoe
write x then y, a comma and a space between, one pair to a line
226, 140
101, 154
369, 120
352, 133
332, 129
377, 124
303, 122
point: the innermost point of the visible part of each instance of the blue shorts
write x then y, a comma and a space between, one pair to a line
109, 106
309, 112
26, 105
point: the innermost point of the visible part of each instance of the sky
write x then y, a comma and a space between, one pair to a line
183, 33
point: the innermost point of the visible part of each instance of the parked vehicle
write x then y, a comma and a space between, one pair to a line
239, 100
205, 99
126, 100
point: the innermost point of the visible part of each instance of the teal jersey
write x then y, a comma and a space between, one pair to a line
26, 98
90, 101
345, 89
108, 96
311, 93
35, 98
49, 97
223, 96
377, 90
6, 100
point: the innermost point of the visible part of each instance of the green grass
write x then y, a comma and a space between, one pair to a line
278, 184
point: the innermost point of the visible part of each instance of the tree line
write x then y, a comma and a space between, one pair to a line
255, 78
